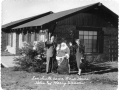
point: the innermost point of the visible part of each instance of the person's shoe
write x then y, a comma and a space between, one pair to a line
48, 72
79, 72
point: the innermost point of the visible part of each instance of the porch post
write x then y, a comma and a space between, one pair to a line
20, 40
14, 42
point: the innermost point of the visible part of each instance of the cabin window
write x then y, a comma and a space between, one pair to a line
32, 37
25, 37
29, 37
20, 40
10, 39
35, 36
89, 38
42, 35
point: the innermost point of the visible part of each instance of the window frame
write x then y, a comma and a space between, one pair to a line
10, 39
100, 37
88, 38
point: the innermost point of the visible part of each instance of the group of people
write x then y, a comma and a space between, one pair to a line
60, 53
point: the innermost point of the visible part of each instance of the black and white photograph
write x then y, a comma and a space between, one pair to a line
59, 44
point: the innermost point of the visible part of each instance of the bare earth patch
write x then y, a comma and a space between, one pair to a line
22, 80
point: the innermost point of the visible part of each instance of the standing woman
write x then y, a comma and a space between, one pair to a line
79, 55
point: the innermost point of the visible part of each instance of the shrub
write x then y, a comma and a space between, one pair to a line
40, 47
97, 58
102, 58
31, 60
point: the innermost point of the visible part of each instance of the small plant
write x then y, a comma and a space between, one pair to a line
31, 59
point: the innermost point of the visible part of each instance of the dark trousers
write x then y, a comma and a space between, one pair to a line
51, 65
48, 64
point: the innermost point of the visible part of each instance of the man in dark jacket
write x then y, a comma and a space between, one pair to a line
49, 54
79, 55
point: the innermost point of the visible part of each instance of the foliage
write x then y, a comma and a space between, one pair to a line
40, 48
31, 59
97, 58
102, 58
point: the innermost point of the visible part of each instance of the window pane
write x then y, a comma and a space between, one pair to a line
86, 41
91, 32
42, 37
20, 40
90, 41
32, 37
86, 49
23, 37
94, 43
90, 44
85, 37
11, 39
29, 37
26, 37
94, 37
81, 37
86, 32
90, 37
35, 36
89, 50
80, 32
86, 46
95, 33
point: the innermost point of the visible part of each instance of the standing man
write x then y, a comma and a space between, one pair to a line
49, 54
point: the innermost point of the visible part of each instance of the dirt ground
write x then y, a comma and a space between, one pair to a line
97, 79
8, 61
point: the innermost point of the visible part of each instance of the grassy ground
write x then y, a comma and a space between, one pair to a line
102, 76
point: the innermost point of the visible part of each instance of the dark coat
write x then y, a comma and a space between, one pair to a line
50, 48
78, 55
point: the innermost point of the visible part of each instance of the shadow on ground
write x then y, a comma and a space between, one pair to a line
99, 68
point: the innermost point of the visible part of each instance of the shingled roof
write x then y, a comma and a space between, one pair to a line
25, 20
53, 17
56, 16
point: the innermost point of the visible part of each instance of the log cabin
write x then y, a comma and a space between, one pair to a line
94, 24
